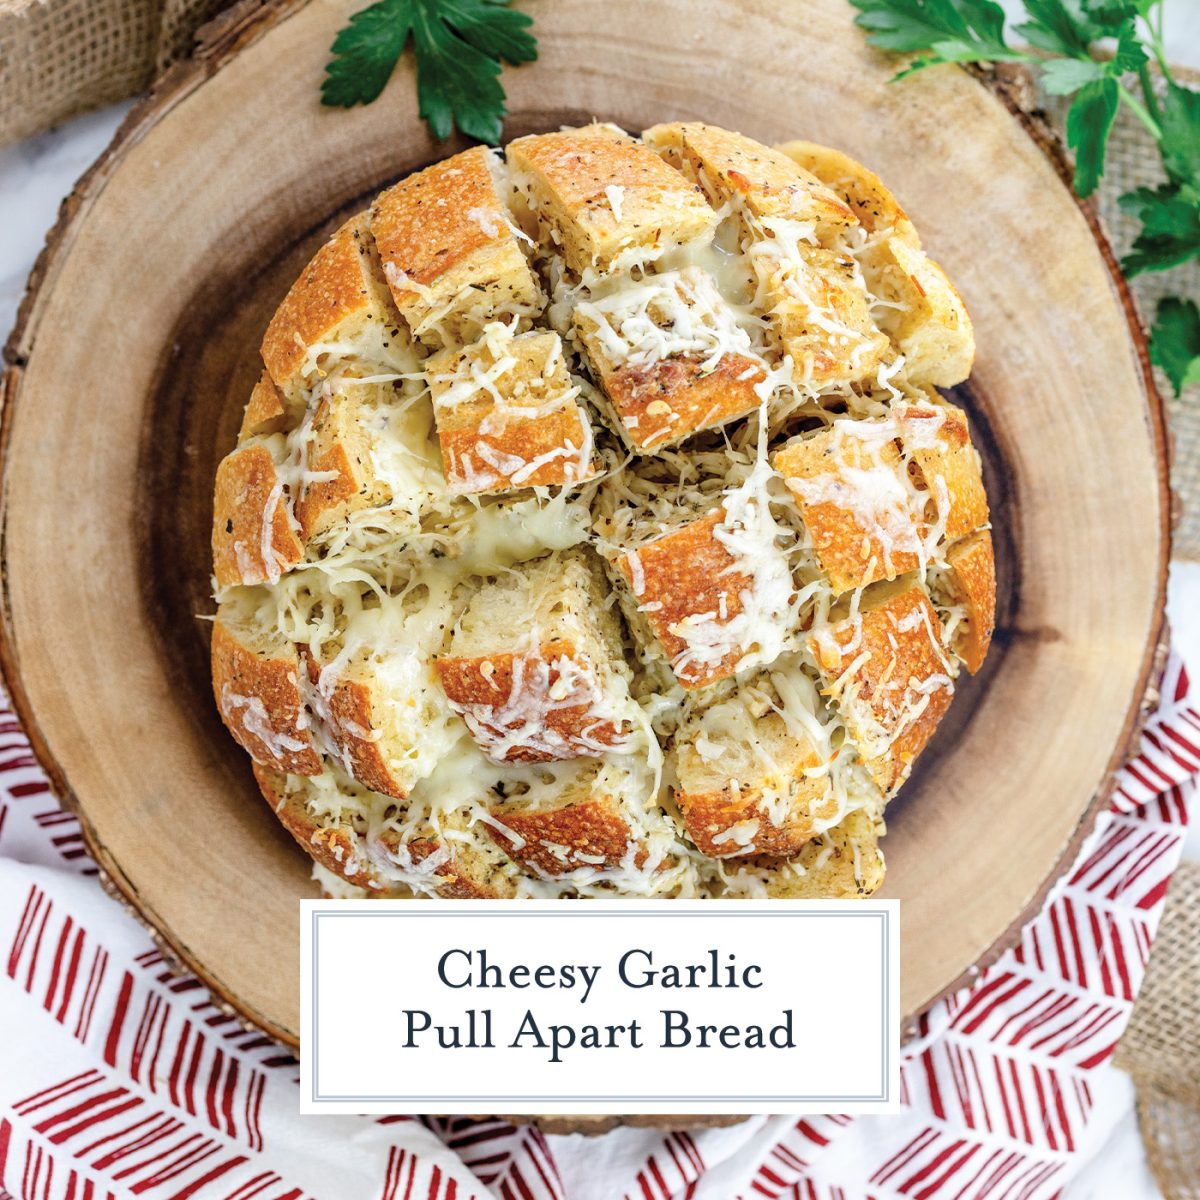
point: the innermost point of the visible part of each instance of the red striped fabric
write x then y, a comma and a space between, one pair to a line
122, 1079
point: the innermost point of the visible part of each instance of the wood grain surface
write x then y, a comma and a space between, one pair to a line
136, 350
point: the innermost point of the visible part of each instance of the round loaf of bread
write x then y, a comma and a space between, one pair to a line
595, 527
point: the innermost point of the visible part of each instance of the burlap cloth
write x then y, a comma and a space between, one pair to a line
1161, 1046
59, 58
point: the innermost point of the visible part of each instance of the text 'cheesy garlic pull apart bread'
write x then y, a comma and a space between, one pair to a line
595, 530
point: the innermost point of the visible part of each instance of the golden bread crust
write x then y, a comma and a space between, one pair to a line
973, 570
252, 538
258, 697
457, 881
536, 451
537, 435
445, 229
769, 183
340, 446
712, 819
854, 505
339, 849
266, 411
932, 329
333, 846
753, 787
504, 693
669, 400
949, 465
586, 832
685, 573
890, 679
571, 174
338, 284
421, 225
351, 723
871, 201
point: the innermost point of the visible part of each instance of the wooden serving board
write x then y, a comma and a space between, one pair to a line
136, 350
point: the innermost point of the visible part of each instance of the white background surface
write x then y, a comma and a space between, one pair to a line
36, 174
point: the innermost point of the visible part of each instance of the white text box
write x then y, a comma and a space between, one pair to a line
554, 1006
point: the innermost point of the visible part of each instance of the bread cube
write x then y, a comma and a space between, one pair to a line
256, 683
872, 493
733, 167
359, 448
579, 827
819, 309
507, 415
377, 697
816, 301
714, 594
856, 502
428, 864
362, 449
670, 356
885, 670
749, 783
253, 537
267, 411
455, 864
602, 196
972, 586
338, 311
535, 665
449, 252
938, 442
869, 198
924, 316
842, 864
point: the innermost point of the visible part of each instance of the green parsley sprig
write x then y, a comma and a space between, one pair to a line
458, 46
1098, 52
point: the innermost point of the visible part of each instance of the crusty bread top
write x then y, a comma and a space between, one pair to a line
593, 528
603, 192
428, 223
877, 210
890, 677
340, 286
257, 689
769, 182
266, 411
253, 539
972, 577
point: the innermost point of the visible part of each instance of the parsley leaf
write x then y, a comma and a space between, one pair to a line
1181, 134
1175, 342
951, 30
458, 45
1112, 12
1067, 32
1060, 27
490, 26
364, 53
1063, 76
1170, 217
1089, 122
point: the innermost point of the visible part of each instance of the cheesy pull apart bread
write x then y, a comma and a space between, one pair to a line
595, 529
